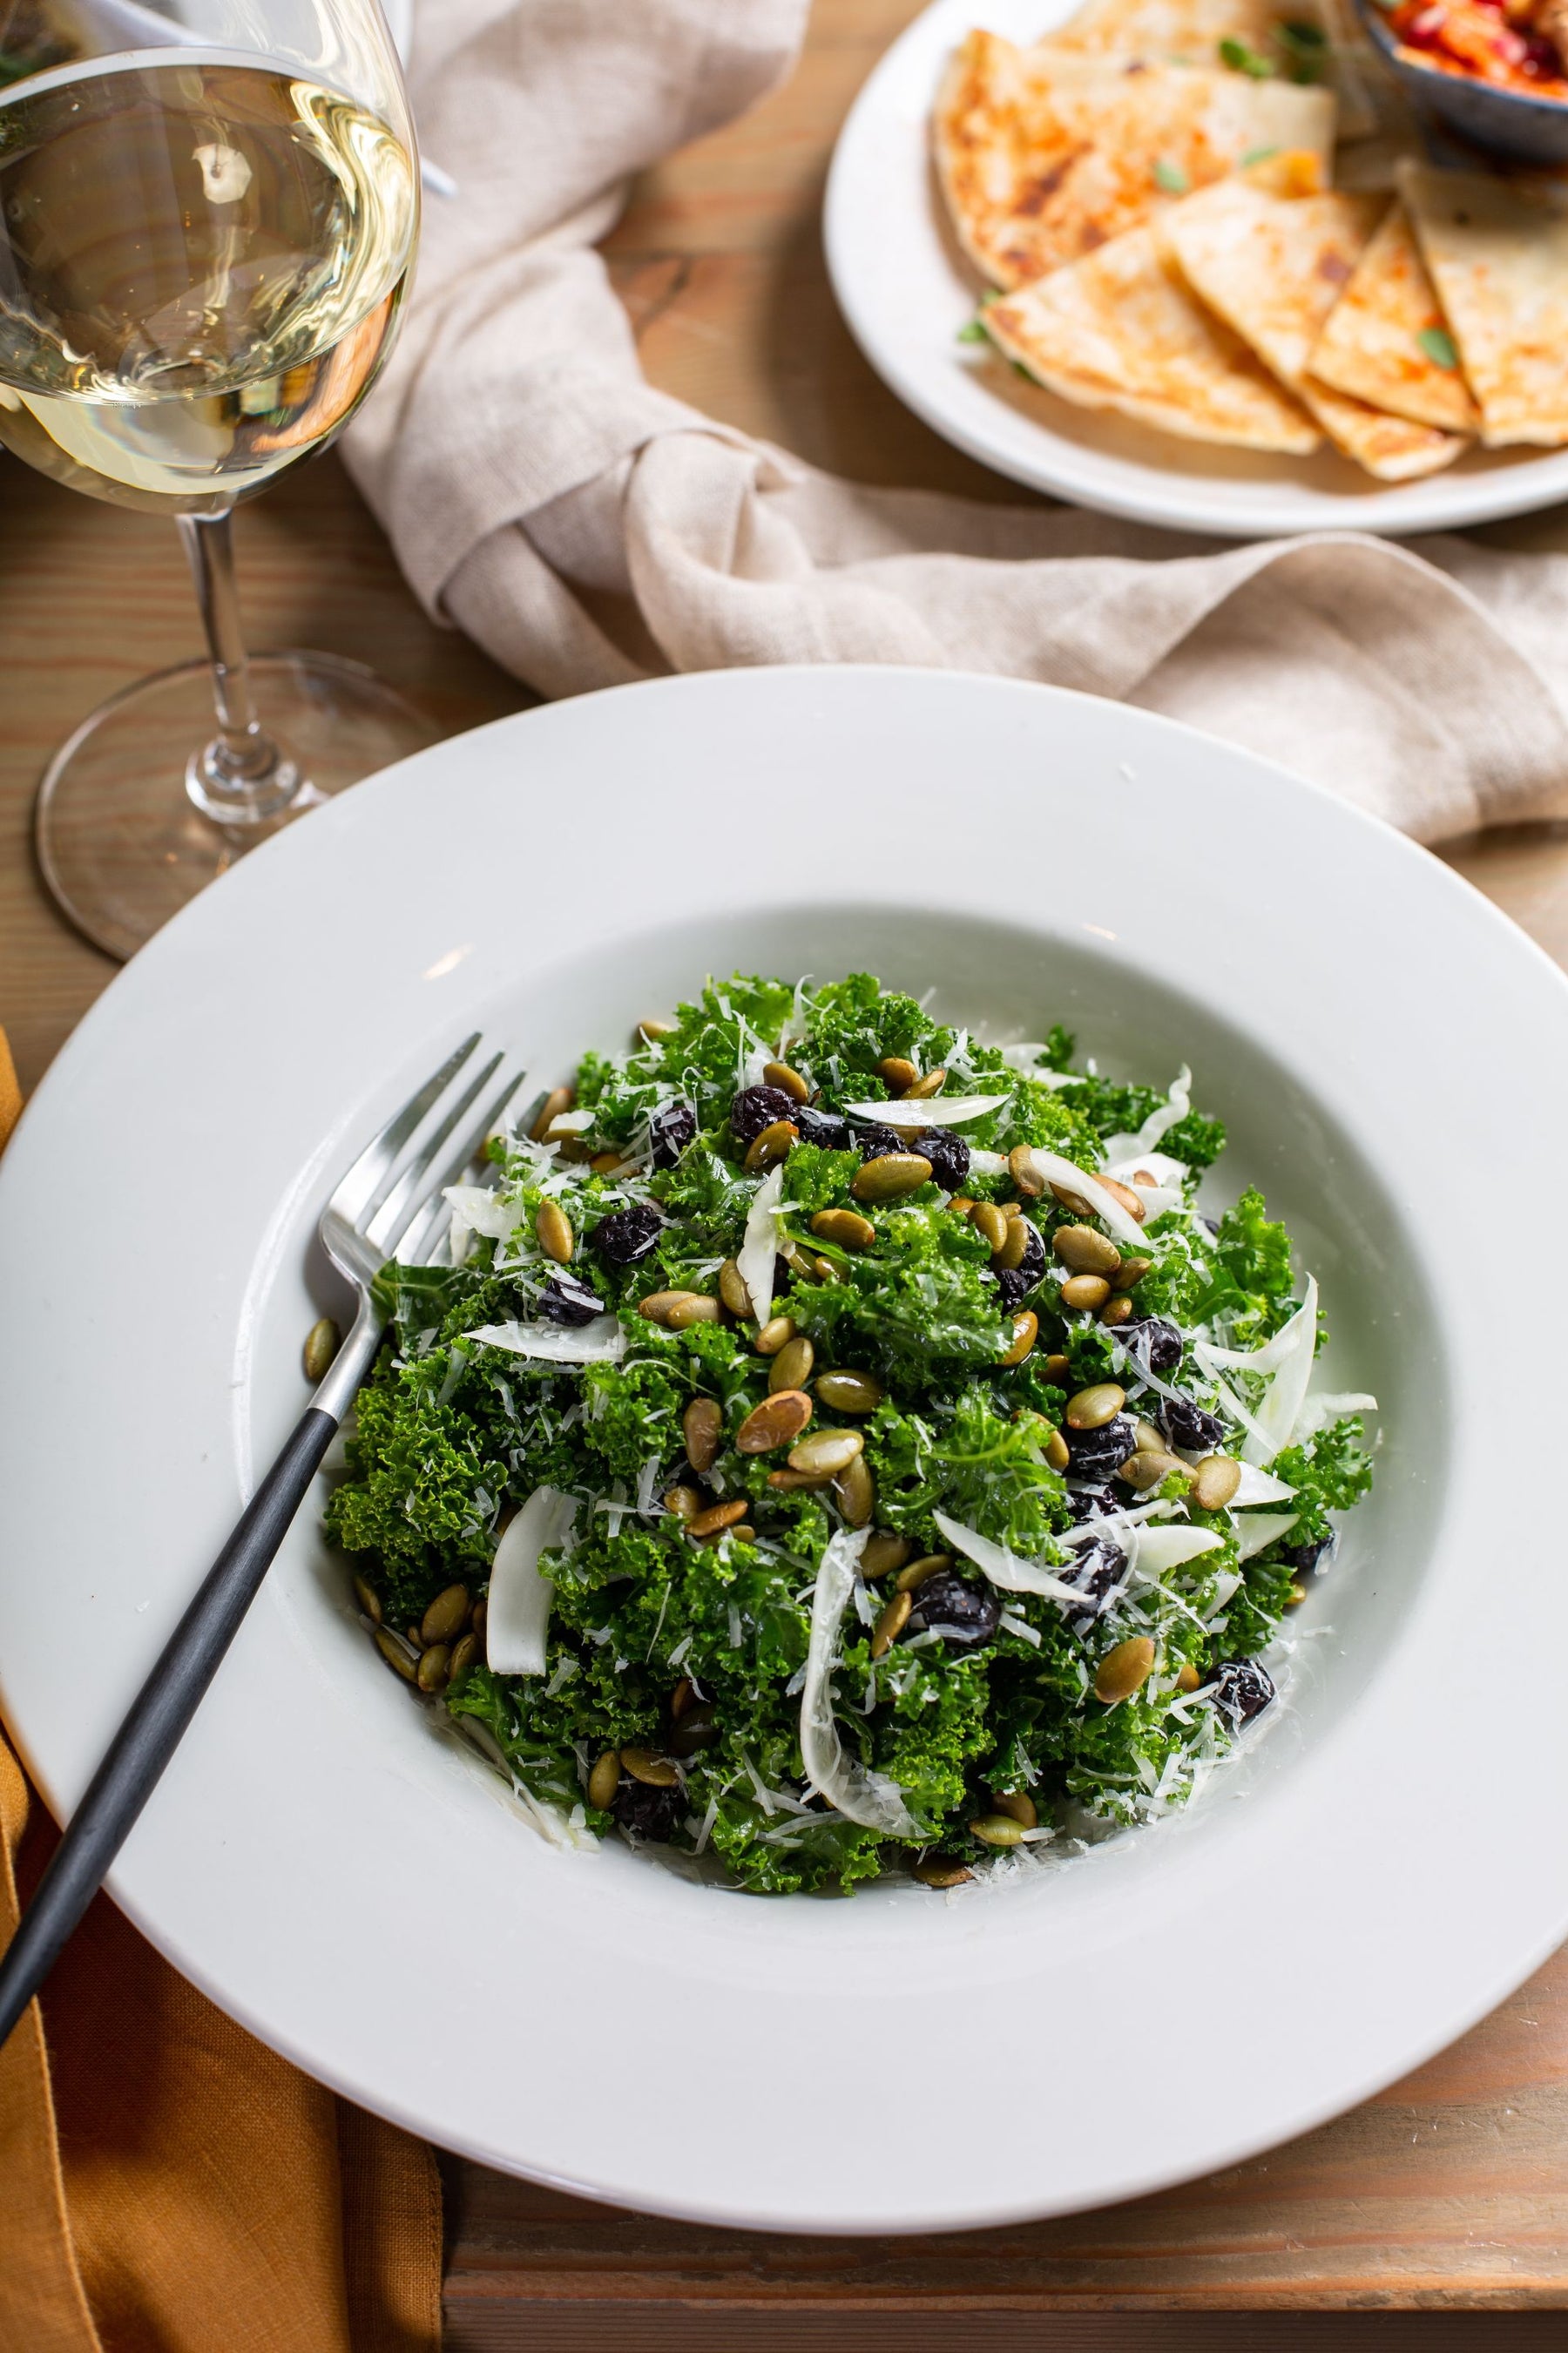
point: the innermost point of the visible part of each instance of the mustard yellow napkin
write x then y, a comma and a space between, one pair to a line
168, 2184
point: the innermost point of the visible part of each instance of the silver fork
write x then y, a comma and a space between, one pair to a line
378, 1207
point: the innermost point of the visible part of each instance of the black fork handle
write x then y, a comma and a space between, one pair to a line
158, 1717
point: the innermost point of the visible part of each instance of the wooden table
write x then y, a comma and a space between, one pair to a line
1450, 2192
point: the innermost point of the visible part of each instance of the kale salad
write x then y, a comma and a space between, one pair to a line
841, 1446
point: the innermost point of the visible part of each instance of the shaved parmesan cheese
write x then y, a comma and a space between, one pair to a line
1167, 1173
571, 1123
986, 1164
754, 1258
1176, 1106
1319, 1411
1287, 1361
517, 1618
930, 1111
1258, 1487
1259, 1529
598, 1341
1003, 1568
861, 1796
1162, 1548
1055, 1170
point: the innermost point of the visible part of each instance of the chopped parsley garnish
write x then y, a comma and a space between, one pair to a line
1172, 178
727, 1657
1438, 346
1242, 59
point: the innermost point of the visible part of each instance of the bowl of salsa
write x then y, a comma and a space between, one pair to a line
1494, 70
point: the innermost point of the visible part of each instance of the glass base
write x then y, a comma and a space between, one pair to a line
120, 837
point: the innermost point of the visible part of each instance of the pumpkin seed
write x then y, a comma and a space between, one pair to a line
1021, 1168
431, 1672
843, 1226
1025, 1332
604, 1163
891, 1176
658, 1304
1117, 1310
1148, 1440
1124, 1670
941, 1871
464, 1656
1085, 1291
656, 1772
884, 1552
779, 1418
1015, 1247
766, 1150
896, 1074
718, 1517
446, 1616
558, 1100
481, 1613
369, 1601
924, 1088
395, 1655
779, 1075
1189, 1678
996, 1829
855, 1491
890, 1625
695, 1730
1058, 1371
1018, 1804
682, 1502
702, 1427
1076, 1202
987, 1220
323, 1342
553, 1227
655, 1027
849, 1392
1214, 1481
824, 1270
829, 1451
604, 1779
681, 1697
693, 1309
961, 1204
1143, 1470
732, 1290
791, 1483
774, 1333
791, 1368
1057, 1453
911, 1580
1295, 1594
1092, 1408
1132, 1271
1082, 1251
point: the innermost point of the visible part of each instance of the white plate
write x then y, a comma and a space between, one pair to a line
906, 288
1378, 1869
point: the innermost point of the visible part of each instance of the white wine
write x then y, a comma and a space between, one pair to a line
201, 266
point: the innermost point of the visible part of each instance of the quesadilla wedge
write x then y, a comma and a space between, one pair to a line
1498, 259
1274, 270
1387, 340
1041, 164
1267, 33
1121, 331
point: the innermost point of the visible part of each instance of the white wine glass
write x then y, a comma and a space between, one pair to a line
209, 213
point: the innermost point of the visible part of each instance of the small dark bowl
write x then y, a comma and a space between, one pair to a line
1509, 121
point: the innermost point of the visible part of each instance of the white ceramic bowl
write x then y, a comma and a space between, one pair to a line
906, 289
1377, 1869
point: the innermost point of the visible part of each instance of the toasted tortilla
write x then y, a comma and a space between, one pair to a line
1041, 163
1189, 32
1372, 346
1498, 259
1274, 270
1121, 331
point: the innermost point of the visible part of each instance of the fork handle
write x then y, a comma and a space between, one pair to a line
171, 1693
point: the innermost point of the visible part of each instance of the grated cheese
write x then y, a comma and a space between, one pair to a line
861, 1796
517, 1620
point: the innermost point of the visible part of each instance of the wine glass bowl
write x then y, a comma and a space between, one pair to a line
208, 212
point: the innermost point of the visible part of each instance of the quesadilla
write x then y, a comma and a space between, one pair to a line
1387, 340
1498, 259
1041, 164
1266, 32
1274, 270
1121, 331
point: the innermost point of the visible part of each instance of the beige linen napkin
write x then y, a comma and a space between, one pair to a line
587, 530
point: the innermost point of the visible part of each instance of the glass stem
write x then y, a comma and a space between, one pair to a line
241, 777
